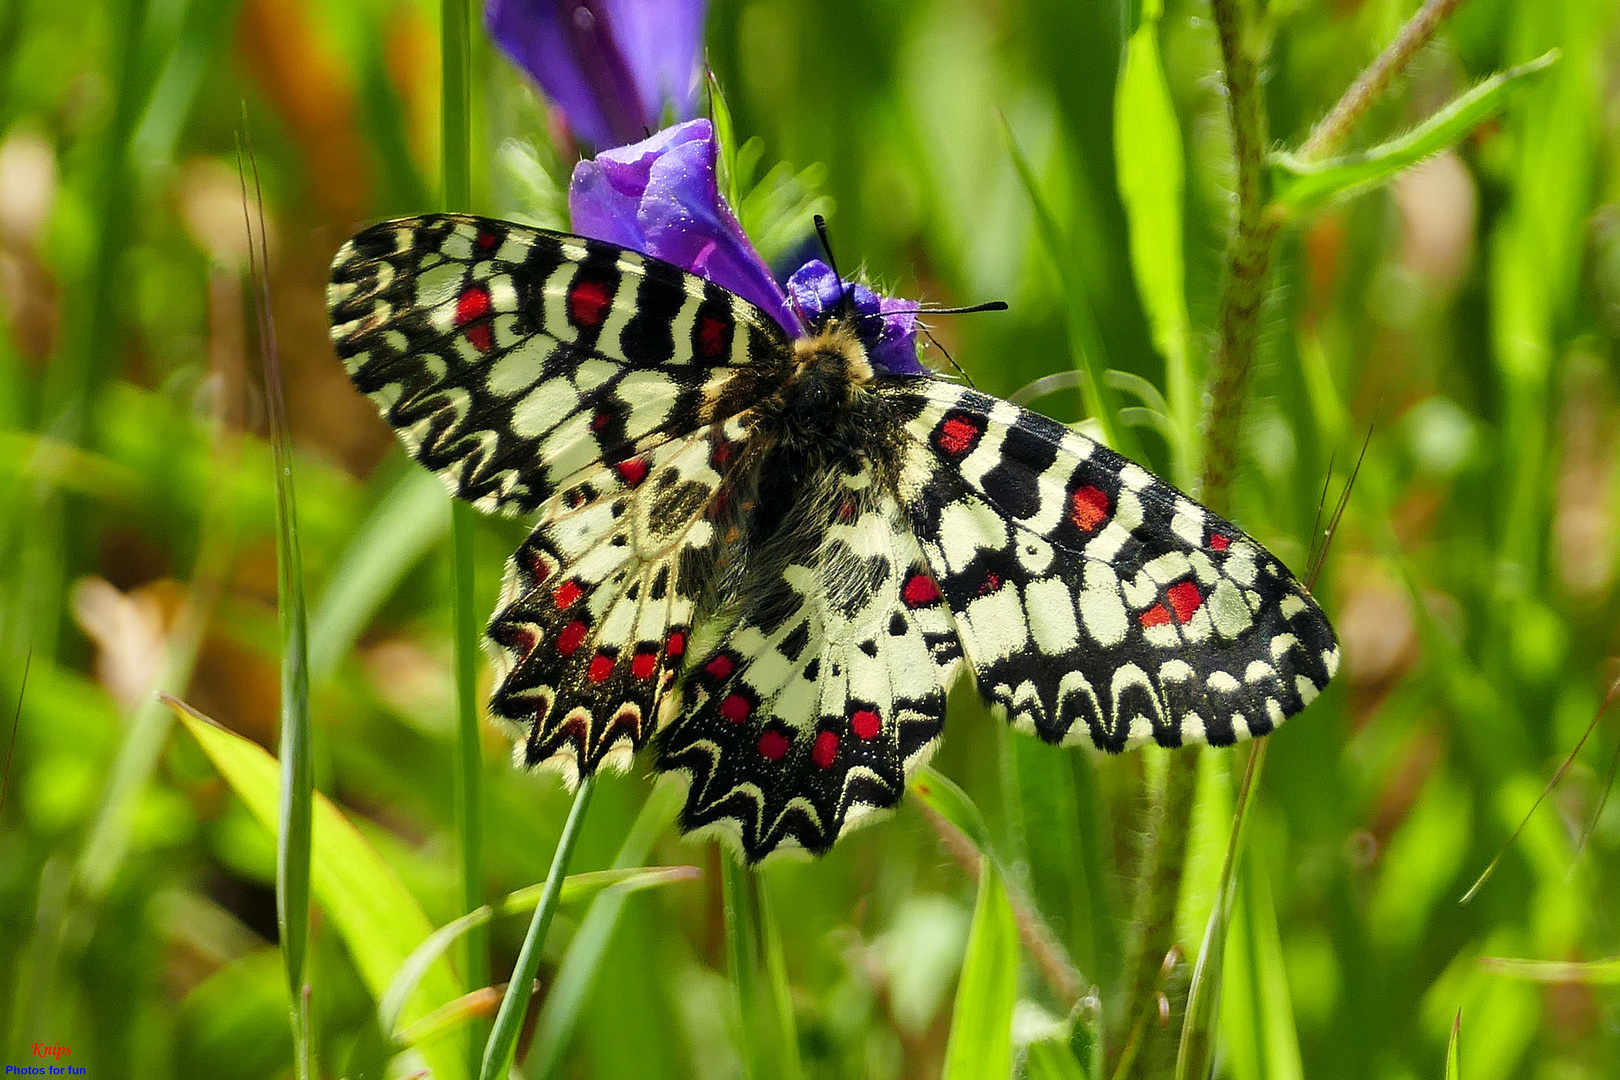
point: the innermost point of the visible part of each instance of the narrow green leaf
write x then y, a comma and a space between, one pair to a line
950, 802
1196, 1054
575, 890
1084, 337
378, 919
571, 987
1151, 175
980, 1044
1299, 185
1595, 972
1453, 1057
770, 1039
297, 751
497, 1061
1052, 1059
405, 523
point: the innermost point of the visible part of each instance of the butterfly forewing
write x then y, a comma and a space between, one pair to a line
508, 359
1095, 602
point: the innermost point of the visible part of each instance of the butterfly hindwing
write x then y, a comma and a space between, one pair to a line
509, 359
830, 689
599, 602
1093, 600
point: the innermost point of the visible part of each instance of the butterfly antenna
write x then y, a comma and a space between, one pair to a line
1338, 511
844, 298
949, 358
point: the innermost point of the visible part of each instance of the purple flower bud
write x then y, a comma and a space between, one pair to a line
660, 197
610, 65
886, 326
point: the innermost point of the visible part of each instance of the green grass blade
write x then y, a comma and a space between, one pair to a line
1052, 1059
297, 748
1196, 1055
1151, 176
509, 1020
467, 760
364, 900
1303, 185
406, 522
576, 974
980, 1042
941, 795
1084, 337
1595, 972
1453, 1057
770, 1039
576, 889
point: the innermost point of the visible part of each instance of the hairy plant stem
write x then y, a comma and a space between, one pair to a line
1238, 326
1051, 959
1332, 129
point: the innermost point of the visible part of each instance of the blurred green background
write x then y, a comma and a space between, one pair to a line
1466, 312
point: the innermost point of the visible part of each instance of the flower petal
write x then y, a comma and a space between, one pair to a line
588, 57
660, 197
663, 41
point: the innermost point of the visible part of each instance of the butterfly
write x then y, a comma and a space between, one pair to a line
772, 560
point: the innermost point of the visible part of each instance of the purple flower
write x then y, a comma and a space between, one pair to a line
610, 65
660, 197
887, 325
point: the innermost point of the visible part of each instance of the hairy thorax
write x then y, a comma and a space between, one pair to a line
828, 379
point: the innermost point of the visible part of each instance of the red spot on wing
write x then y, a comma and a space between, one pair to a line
919, 591
471, 304
992, 582
957, 436
1154, 616
601, 667
865, 724
599, 421
567, 593
632, 471
735, 708
722, 452
773, 745
644, 664
1219, 542
486, 240
1088, 508
711, 337
825, 751
571, 638
474, 303
676, 643
588, 303
1185, 598
719, 667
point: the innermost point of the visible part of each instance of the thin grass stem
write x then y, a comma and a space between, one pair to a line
295, 834
467, 764
497, 1060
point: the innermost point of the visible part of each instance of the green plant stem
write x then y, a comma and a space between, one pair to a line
770, 1040
294, 835
467, 764
497, 1060
1331, 131
1238, 325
